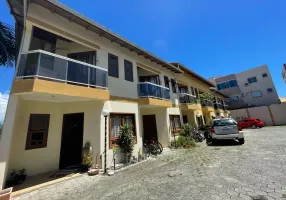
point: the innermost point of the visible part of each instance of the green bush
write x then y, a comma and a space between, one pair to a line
187, 130
185, 142
126, 141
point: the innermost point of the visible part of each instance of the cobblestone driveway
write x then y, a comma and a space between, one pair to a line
255, 170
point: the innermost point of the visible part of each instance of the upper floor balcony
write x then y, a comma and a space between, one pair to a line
207, 105
153, 95
218, 106
45, 72
189, 102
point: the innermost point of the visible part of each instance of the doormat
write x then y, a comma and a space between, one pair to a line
64, 173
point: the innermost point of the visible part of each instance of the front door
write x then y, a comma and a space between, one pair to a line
72, 139
150, 127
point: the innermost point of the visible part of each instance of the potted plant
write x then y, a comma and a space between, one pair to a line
6, 194
126, 141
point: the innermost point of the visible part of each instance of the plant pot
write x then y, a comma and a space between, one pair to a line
6, 194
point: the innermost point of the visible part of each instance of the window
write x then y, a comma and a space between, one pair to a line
218, 86
167, 81
151, 79
196, 93
232, 83
116, 121
175, 124
38, 128
224, 122
252, 79
269, 90
174, 86
113, 66
128, 70
227, 85
234, 98
193, 91
256, 94
264, 75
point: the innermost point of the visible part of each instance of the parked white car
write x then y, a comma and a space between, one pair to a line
226, 129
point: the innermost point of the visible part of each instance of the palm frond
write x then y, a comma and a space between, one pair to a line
7, 45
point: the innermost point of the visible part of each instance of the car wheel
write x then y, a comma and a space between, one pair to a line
253, 126
241, 141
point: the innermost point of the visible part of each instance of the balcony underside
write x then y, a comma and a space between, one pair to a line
58, 88
208, 109
219, 110
191, 106
152, 102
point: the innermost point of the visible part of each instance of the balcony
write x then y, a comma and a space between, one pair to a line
189, 102
207, 106
218, 106
45, 72
153, 95
226, 109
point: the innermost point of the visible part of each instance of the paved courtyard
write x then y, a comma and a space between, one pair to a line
255, 170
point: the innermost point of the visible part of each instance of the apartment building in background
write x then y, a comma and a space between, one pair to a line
250, 88
69, 70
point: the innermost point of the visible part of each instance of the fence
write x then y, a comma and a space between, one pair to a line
274, 114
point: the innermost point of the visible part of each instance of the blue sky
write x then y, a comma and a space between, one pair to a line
212, 37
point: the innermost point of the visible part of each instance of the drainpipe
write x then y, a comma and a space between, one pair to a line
178, 96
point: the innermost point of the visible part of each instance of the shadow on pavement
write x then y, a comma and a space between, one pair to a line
223, 143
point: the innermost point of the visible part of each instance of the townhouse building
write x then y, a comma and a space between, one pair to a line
69, 70
250, 88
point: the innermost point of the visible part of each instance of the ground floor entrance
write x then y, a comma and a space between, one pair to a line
150, 127
72, 140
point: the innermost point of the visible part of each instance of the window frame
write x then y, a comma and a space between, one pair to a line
270, 91
31, 130
111, 138
251, 78
174, 86
131, 70
256, 96
177, 130
167, 82
264, 75
109, 67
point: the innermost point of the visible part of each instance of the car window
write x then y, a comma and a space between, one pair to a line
258, 120
245, 120
224, 122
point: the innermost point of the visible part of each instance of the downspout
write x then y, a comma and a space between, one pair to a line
178, 96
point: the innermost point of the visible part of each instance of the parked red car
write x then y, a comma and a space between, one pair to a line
251, 123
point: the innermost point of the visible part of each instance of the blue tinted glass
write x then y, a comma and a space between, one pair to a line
232, 83
218, 86
227, 85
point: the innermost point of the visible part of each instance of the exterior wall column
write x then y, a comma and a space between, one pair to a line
6, 137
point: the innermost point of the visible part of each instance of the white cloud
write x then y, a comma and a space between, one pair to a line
3, 105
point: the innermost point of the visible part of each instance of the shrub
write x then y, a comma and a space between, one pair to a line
126, 141
185, 142
187, 130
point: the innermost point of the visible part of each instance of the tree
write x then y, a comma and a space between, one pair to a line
7, 45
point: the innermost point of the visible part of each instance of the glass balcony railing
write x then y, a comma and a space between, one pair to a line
207, 103
225, 107
217, 106
151, 90
49, 66
187, 99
